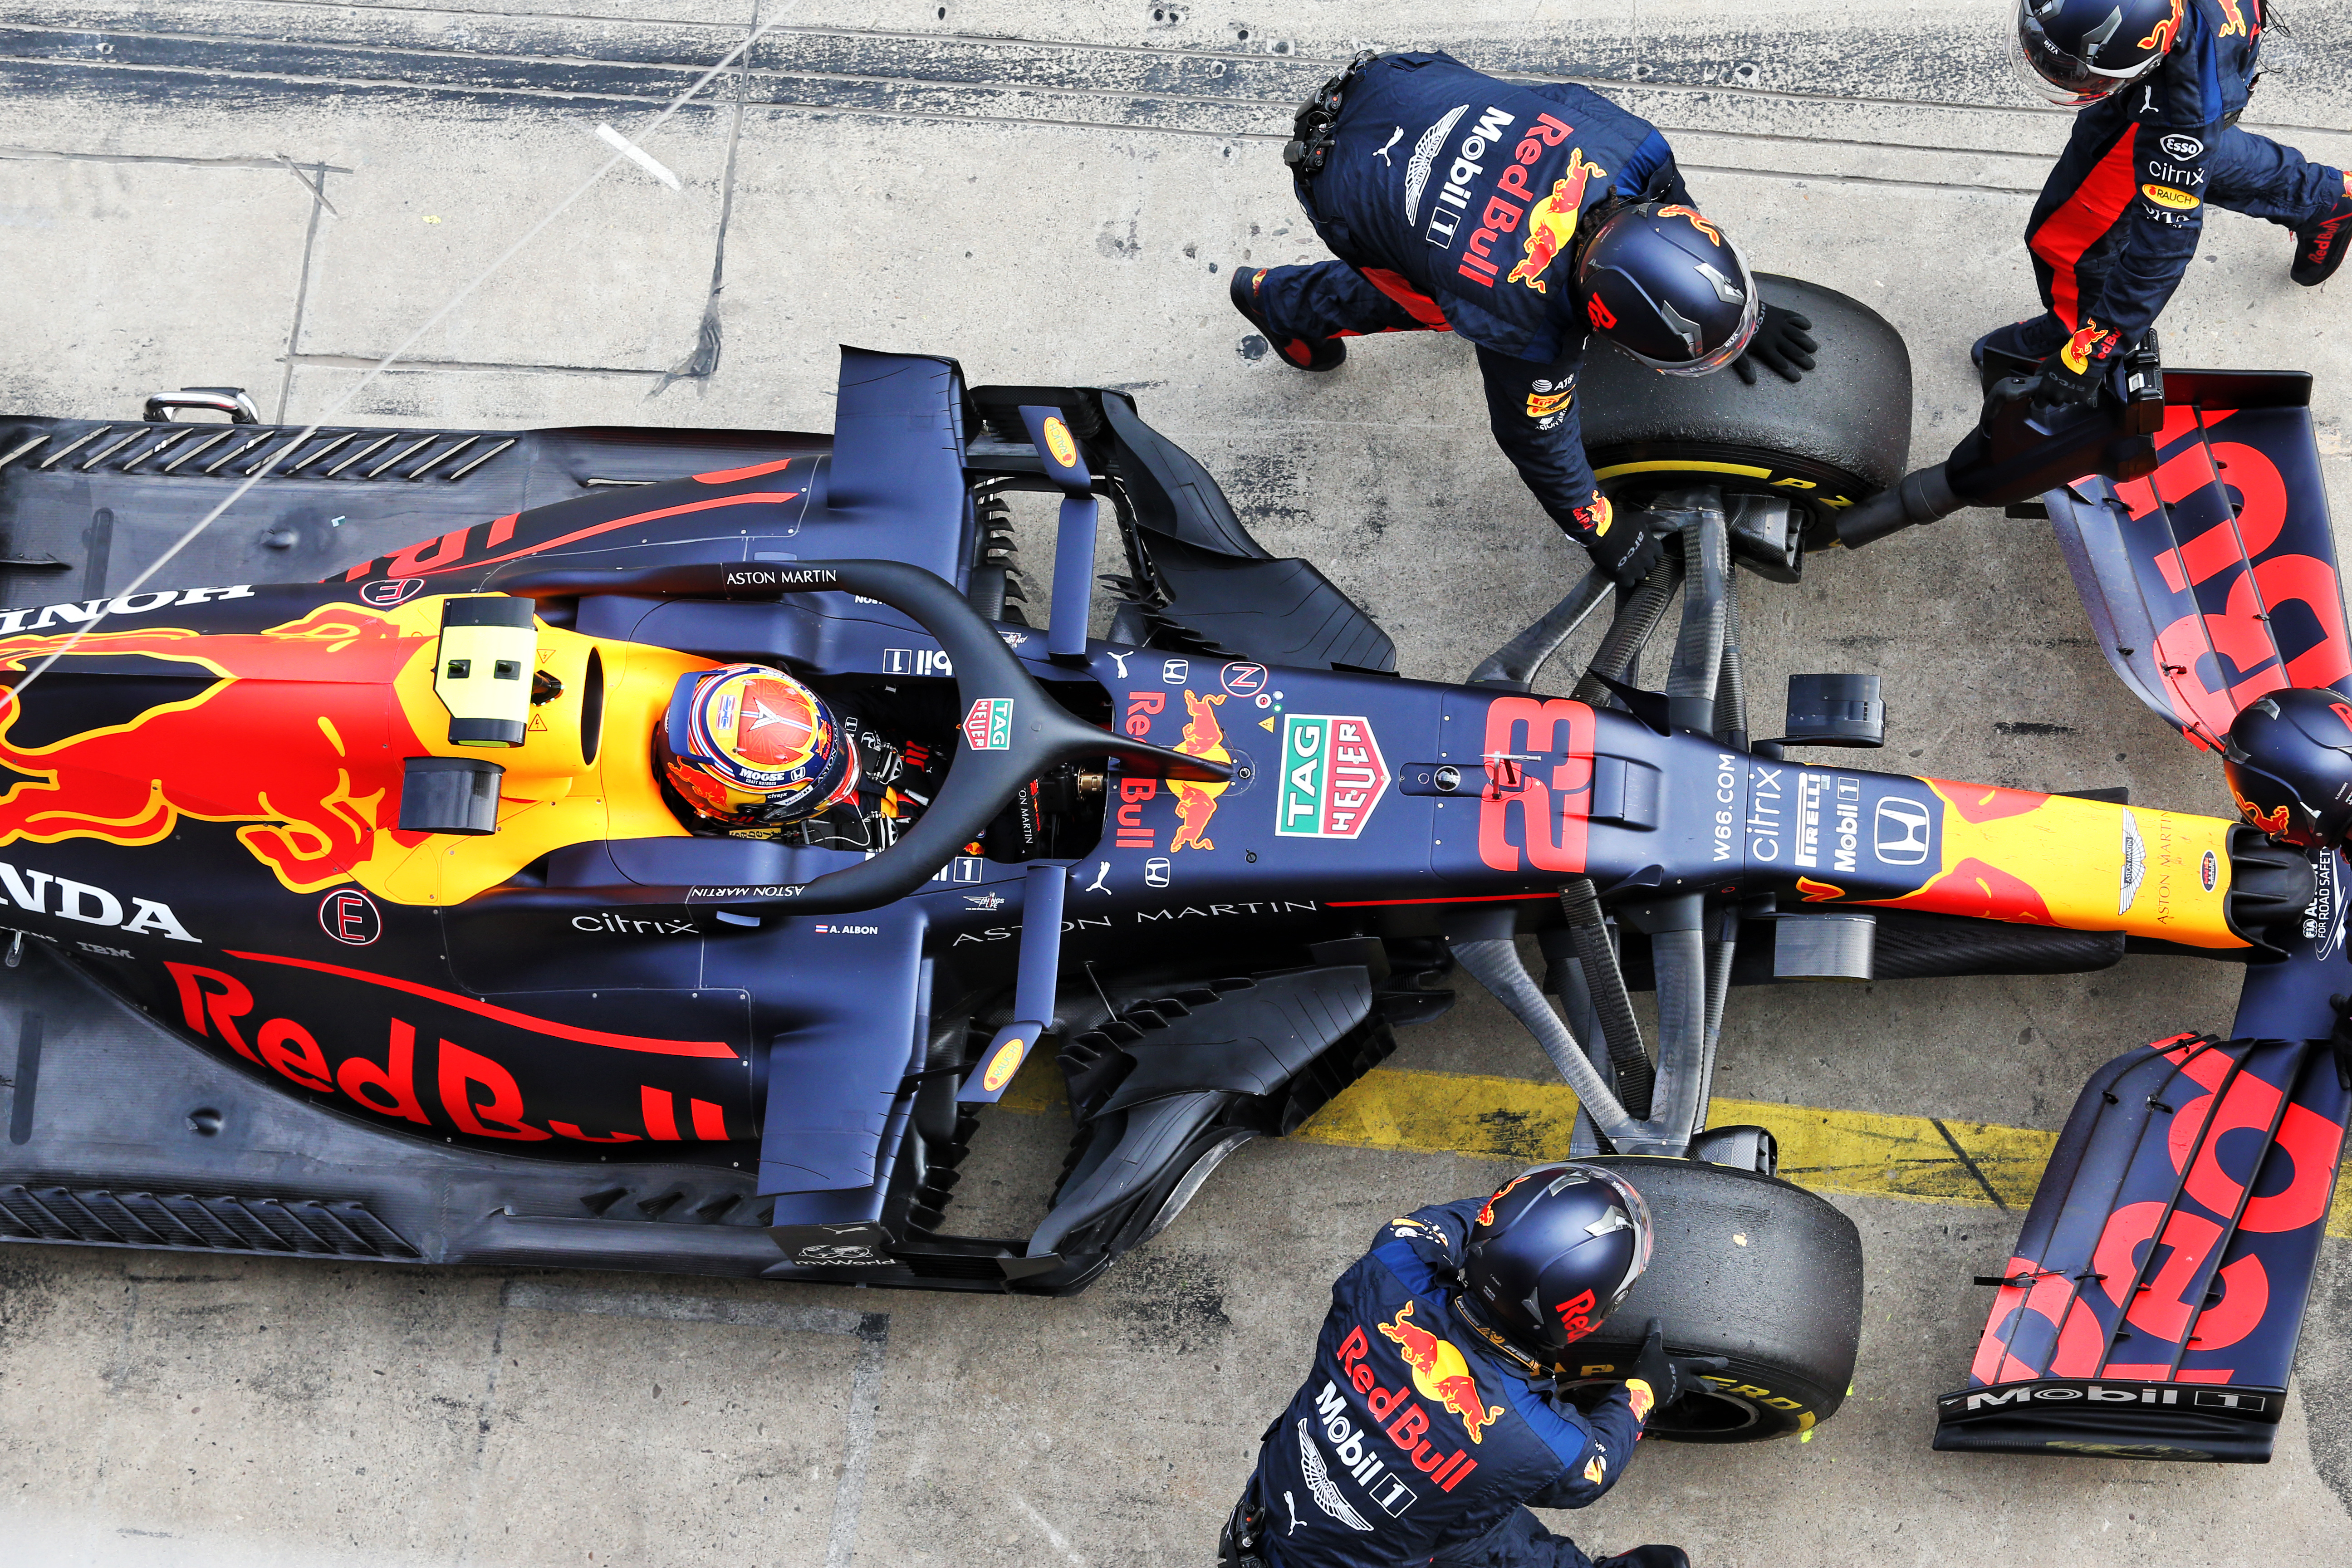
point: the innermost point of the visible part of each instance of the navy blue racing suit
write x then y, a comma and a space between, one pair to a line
1408, 1445
1451, 200
2117, 223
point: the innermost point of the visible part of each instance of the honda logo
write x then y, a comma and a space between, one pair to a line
1900, 835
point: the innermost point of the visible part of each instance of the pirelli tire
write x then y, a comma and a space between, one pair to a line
1838, 437
1749, 1268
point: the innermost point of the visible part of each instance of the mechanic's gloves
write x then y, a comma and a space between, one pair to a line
1623, 549
1783, 344
1660, 1379
1647, 1557
2076, 370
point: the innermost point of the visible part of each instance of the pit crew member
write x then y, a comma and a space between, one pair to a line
2160, 85
1524, 219
1431, 1418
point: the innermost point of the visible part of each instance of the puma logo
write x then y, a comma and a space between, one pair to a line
1381, 151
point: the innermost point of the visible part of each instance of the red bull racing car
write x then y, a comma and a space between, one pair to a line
345, 914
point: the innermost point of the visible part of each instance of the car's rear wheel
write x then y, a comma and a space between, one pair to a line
1841, 434
1749, 1268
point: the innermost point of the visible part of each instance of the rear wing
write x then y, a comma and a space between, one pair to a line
2153, 1304
2213, 580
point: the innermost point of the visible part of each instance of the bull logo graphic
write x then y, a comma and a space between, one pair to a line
1196, 802
291, 731
1551, 222
1440, 1373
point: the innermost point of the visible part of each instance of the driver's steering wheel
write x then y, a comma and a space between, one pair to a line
1022, 731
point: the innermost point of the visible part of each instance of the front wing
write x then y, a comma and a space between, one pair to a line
2152, 1307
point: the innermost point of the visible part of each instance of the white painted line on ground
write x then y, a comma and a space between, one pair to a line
1061, 1542
636, 154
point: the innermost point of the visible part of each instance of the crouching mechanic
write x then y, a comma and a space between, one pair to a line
2159, 85
1431, 1420
1522, 219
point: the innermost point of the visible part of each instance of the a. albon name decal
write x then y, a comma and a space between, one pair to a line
67, 900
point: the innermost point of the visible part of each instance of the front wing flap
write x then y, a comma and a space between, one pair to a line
2152, 1307
2214, 580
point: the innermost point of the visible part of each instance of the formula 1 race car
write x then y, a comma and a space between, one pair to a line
365, 928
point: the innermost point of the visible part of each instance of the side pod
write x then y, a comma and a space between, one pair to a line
2153, 1305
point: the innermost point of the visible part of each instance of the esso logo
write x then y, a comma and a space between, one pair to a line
2183, 146
349, 917
386, 591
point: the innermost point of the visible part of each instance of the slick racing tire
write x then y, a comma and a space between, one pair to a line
1840, 434
1745, 1266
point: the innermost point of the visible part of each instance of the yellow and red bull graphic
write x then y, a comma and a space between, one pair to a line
1551, 222
1132, 824
296, 733
1397, 1414
1698, 221
2161, 36
1487, 1209
1440, 1373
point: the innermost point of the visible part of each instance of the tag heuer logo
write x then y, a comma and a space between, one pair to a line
1332, 776
988, 726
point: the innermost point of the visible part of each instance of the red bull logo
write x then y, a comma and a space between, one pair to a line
2161, 36
1487, 1211
295, 733
1397, 1415
1551, 222
1197, 803
2274, 823
1440, 1373
1698, 221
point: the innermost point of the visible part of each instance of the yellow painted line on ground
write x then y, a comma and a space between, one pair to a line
1917, 1158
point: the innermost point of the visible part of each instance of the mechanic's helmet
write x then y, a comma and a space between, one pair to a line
2074, 52
1551, 1255
749, 746
1659, 280
2289, 761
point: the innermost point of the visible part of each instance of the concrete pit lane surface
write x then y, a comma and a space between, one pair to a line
275, 195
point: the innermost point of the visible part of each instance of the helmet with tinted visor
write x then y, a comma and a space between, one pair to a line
749, 746
2073, 52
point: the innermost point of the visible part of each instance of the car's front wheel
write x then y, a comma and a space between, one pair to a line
1749, 1268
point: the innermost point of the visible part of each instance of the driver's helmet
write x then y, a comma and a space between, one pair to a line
2074, 52
1659, 280
749, 746
1551, 1255
2289, 762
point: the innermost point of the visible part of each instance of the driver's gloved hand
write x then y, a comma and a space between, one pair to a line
1619, 546
2077, 368
1669, 1378
1783, 344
